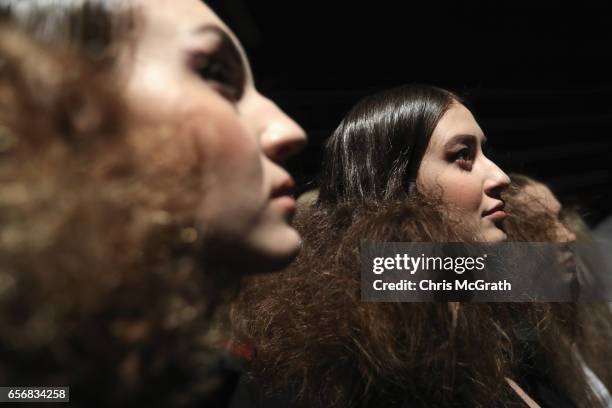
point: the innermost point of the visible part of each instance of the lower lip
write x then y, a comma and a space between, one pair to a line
286, 202
570, 264
497, 215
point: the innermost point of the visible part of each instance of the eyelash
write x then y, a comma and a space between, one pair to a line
464, 158
222, 73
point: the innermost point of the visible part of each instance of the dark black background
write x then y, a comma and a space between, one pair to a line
536, 74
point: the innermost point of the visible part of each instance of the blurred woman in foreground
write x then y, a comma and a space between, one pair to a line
140, 177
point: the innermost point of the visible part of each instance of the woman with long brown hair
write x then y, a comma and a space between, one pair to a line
404, 165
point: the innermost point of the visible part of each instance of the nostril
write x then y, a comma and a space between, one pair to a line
280, 154
496, 191
283, 148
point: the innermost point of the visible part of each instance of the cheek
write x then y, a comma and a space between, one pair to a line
215, 162
213, 131
155, 90
233, 190
461, 190
457, 188
230, 155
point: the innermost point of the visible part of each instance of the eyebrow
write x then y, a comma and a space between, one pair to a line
463, 138
208, 27
226, 42
212, 28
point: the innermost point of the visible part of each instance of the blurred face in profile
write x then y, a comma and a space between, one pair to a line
188, 73
542, 203
540, 200
455, 167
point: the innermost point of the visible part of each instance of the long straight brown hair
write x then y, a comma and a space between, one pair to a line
376, 151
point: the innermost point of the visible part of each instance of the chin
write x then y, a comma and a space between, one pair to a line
495, 235
274, 249
284, 251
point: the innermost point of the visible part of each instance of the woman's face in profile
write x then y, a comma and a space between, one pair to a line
455, 168
188, 73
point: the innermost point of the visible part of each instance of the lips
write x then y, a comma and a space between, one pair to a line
496, 213
285, 188
568, 259
282, 196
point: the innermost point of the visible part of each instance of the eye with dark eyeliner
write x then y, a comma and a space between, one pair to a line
222, 68
463, 156
462, 150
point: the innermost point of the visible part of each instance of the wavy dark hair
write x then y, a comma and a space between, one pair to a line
92, 28
590, 322
102, 282
527, 219
318, 345
376, 151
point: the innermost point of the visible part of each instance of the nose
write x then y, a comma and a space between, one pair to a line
280, 136
497, 180
564, 234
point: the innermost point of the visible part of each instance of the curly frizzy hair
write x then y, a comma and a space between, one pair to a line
94, 28
317, 342
101, 284
587, 326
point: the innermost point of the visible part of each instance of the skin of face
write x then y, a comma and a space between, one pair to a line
540, 199
455, 169
187, 72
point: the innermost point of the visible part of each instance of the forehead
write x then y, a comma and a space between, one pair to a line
186, 10
180, 16
457, 120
